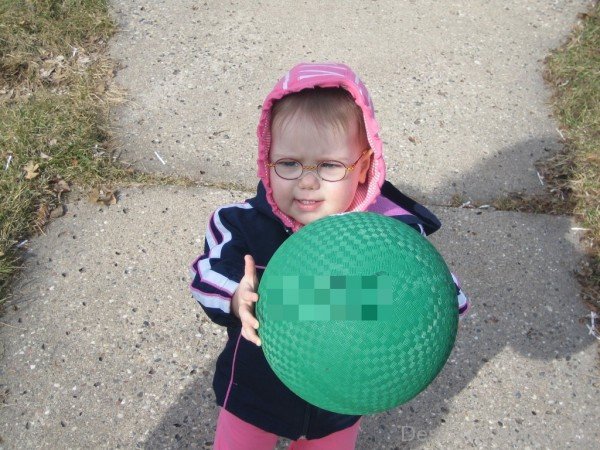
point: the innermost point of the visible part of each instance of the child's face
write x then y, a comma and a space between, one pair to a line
309, 198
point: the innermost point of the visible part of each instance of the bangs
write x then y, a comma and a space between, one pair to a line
329, 109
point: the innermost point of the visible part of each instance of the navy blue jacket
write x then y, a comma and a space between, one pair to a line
244, 383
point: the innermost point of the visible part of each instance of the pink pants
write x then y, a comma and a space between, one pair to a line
235, 434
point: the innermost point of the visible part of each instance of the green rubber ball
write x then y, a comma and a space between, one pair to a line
358, 313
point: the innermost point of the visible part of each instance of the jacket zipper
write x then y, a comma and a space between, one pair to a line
306, 420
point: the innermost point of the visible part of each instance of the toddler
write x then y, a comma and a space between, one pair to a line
319, 153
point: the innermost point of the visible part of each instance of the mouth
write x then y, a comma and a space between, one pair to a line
307, 205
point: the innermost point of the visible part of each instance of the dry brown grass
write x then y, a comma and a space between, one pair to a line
573, 175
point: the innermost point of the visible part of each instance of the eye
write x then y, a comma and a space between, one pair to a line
332, 165
288, 163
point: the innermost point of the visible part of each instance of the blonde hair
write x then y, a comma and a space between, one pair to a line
328, 108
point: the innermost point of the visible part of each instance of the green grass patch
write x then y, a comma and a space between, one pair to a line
31, 31
574, 72
56, 92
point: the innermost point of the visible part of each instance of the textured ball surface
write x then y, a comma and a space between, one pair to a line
357, 312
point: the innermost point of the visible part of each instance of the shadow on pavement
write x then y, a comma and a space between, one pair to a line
517, 269
487, 181
190, 423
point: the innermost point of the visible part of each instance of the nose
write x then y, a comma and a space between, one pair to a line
309, 180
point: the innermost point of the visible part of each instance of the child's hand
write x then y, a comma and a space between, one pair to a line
244, 298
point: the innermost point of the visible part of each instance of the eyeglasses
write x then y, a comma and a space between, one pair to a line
291, 169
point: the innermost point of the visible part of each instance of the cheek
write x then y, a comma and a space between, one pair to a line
345, 195
352, 187
280, 191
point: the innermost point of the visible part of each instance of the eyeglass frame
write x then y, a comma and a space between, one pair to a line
315, 169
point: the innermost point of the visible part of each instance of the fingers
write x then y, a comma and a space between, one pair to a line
247, 318
249, 268
249, 322
248, 298
251, 296
251, 335
249, 326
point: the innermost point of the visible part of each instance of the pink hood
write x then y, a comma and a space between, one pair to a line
309, 75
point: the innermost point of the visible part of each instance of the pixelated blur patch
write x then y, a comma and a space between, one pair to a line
329, 298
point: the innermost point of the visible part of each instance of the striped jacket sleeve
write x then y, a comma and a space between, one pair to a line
463, 300
217, 272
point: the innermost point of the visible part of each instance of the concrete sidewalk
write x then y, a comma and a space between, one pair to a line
102, 345
106, 349
462, 80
